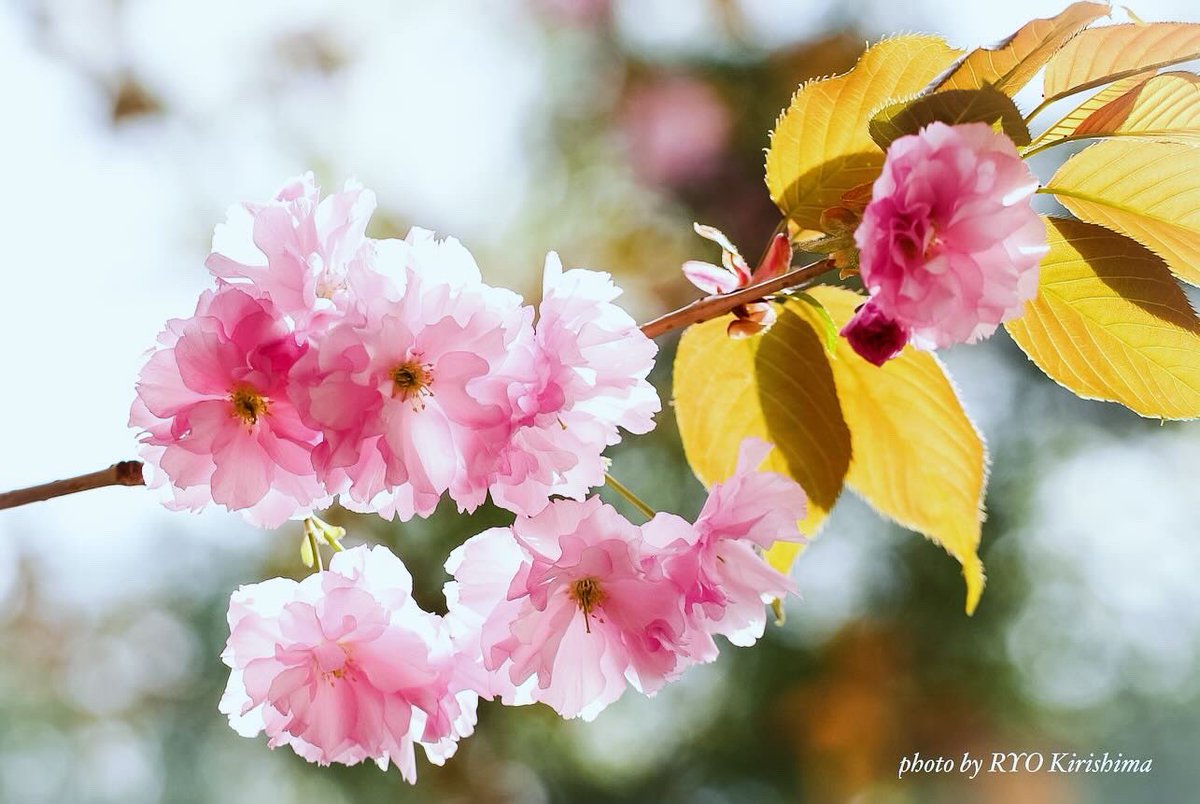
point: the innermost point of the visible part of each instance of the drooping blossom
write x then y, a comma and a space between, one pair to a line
214, 414
949, 245
583, 379
873, 335
344, 666
718, 561
734, 272
583, 613
405, 389
297, 248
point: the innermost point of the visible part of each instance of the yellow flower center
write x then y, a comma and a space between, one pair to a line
411, 380
248, 404
587, 594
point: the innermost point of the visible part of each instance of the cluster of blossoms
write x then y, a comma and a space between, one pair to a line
567, 607
385, 372
949, 246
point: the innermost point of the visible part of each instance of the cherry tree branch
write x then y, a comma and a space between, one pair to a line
124, 473
129, 473
713, 306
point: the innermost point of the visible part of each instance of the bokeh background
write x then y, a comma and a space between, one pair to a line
600, 129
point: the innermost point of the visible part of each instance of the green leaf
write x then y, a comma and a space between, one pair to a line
1110, 323
1149, 191
1009, 65
821, 148
952, 107
828, 327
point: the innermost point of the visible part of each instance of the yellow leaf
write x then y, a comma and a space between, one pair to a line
777, 387
1009, 65
1149, 191
821, 147
917, 457
1164, 108
1064, 129
1110, 53
1110, 323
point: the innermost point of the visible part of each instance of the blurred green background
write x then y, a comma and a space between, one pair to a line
602, 130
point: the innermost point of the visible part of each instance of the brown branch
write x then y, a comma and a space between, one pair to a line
125, 473
129, 473
713, 306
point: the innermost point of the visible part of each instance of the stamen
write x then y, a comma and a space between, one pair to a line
587, 594
248, 404
411, 380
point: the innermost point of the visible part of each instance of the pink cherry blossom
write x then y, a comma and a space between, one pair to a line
584, 378
873, 335
585, 613
217, 424
406, 389
296, 248
949, 243
344, 666
747, 513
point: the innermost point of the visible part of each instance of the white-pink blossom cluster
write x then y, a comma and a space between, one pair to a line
328, 363
568, 607
344, 666
573, 605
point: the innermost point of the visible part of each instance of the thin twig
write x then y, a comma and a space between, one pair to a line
125, 473
713, 306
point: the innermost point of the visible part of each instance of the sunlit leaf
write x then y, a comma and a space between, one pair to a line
1164, 108
1065, 129
1110, 53
821, 148
952, 107
1111, 323
917, 457
1010, 64
1149, 191
777, 387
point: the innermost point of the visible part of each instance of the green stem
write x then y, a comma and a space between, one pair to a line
632, 498
316, 548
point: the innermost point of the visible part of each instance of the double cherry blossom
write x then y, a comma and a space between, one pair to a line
569, 607
949, 245
387, 374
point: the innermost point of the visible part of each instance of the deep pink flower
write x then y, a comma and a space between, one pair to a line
344, 666
586, 610
949, 245
406, 389
580, 378
718, 561
216, 420
873, 335
296, 248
